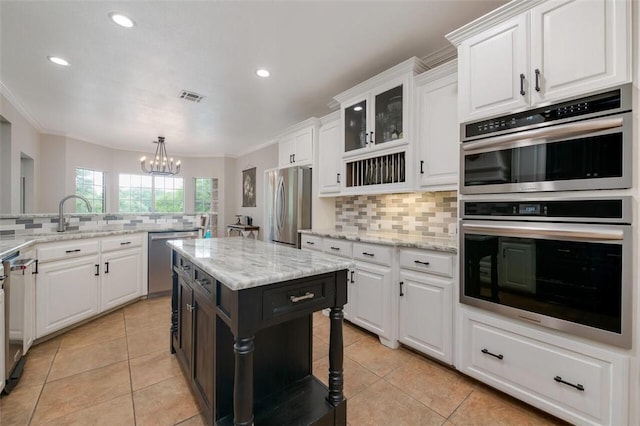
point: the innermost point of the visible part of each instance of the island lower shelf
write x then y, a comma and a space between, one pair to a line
248, 353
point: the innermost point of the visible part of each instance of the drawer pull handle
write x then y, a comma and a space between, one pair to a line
421, 262
125, 243
203, 282
368, 254
486, 351
310, 243
335, 248
185, 267
72, 251
307, 295
578, 386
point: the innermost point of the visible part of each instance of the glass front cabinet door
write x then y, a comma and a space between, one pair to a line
376, 119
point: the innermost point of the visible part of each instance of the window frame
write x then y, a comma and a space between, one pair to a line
103, 196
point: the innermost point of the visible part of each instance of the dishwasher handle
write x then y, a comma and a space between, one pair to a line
173, 236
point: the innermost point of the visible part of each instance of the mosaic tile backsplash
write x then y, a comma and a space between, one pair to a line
47, 223
420, 213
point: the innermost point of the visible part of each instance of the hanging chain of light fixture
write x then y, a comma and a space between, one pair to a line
161, 164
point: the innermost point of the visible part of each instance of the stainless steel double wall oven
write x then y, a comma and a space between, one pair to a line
555, 258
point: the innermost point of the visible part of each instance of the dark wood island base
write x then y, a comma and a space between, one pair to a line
247, 353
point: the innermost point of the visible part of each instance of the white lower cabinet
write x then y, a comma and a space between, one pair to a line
426, 314
67, 291
580, 383
426, 302
121, 278
23, 291
78, 279
370, 297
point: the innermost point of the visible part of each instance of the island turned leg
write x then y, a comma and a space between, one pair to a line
336, 380
243, 382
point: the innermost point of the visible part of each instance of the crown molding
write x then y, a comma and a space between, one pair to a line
19, 106
440, 71
333, 105
440, 56
413, 65
330, 118
501, 14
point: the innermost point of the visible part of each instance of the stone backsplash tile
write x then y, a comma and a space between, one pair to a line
421, 213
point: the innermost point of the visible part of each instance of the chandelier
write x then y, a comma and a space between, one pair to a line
161, 164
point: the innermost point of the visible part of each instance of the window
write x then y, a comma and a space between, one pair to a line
144, 193
206, 196
90, 184
135, 193
168, 194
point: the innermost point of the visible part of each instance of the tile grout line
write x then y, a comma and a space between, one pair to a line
126, 338
35, 407
461, 403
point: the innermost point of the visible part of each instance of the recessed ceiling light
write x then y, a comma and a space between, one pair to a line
58, 61
357, 108
122, 20
263, 73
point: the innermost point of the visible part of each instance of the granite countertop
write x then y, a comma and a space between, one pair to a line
241, 263
10, 244
449, 245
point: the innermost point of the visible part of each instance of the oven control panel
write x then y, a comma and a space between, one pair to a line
582, 210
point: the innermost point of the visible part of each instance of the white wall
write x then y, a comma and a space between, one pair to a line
24, 138
262, 159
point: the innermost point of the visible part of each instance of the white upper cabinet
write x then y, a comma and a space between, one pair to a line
528, 53
295, 147
579, 46
329, 153
438, 138
376, 114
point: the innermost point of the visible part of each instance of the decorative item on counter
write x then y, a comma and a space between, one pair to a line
207, 233
238, 219
249, 221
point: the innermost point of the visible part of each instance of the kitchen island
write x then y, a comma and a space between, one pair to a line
242, 330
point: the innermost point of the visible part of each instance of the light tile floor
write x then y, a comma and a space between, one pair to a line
117, 370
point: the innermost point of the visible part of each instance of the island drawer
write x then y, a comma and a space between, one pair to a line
311, 242
182, 266
309, 296
121, 242
372, 253
67, 250
427, 261
338, 247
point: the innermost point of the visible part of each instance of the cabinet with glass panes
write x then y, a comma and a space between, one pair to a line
375, 113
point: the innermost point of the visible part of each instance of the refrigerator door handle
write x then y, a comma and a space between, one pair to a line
280, 204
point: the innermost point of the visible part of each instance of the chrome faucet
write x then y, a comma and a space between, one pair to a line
61, 222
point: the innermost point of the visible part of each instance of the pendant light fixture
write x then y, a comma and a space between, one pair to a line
161, 164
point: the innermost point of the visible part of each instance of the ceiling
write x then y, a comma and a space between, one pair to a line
122, 87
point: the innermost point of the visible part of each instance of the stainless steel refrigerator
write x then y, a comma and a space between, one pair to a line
288, 201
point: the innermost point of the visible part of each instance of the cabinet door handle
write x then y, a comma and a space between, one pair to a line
401, 284
522, 92
486, 352
338, 178
294, 157
421, 167
366, 135
352, 272
191, 308
372, 141
311, 243
296, 299
421, 262
537, 71
35, 269
73, 251
185, 267
97, 270
368, 254
577, 386
125, 243
335, 248
106, 267
290, 159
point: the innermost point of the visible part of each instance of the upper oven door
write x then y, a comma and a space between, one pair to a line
565, 276
581, 155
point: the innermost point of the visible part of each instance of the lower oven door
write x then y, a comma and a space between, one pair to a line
570, 277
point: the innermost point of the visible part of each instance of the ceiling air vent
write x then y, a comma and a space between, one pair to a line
190, 96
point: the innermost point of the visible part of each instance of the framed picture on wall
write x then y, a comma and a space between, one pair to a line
249, 187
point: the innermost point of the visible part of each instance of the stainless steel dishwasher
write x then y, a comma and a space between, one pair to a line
159, 262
